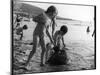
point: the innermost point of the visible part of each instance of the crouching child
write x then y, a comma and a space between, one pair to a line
56, 55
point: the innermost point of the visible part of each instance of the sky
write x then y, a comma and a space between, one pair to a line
78, 12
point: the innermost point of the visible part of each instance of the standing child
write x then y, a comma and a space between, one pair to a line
43, 22
18, 20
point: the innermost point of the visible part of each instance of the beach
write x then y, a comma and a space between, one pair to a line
81, 49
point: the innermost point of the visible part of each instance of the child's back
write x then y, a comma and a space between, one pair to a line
42, 21
58, 39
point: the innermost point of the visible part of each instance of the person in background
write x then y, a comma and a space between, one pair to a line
88, 29
19, 31
18, 20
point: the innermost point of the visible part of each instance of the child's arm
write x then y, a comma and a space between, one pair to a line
48, 34
53, 25
54, 22
55, 37
63, 41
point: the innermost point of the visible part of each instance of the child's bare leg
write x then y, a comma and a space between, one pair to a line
47, 49
33, 50
42, 43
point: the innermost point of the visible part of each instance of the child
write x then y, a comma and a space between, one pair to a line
43, 22
18, 20
58, 36
19, 31
58, 42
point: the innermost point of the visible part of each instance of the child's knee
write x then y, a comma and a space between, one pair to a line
43, 46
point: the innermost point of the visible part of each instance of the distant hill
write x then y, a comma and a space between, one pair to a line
31, 10
26, 8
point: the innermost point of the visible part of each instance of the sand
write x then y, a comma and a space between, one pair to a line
80, 49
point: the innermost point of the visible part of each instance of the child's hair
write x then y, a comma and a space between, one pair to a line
51, 9
25, 27
56, 48
64, 29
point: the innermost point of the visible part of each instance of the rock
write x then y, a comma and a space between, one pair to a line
59, 57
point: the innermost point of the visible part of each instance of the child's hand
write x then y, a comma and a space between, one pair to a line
64, 45
52, 42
